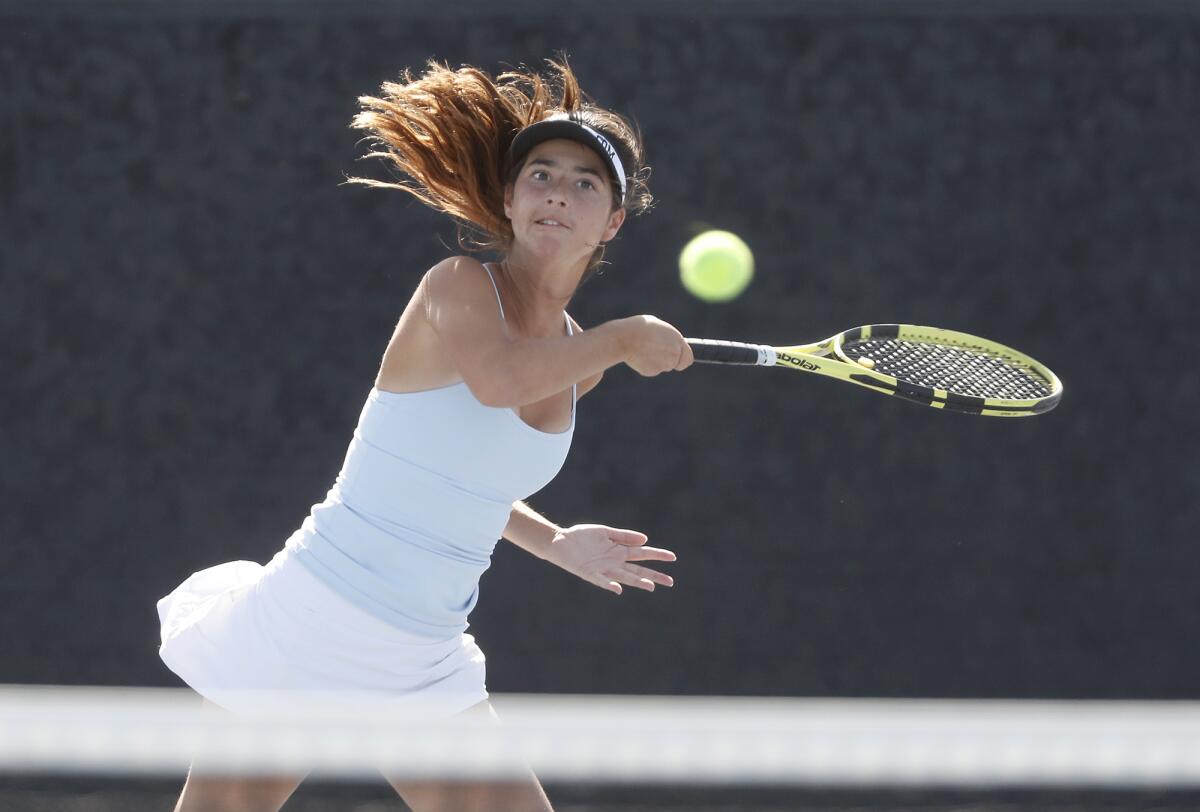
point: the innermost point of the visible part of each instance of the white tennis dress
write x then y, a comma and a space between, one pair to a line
367, 602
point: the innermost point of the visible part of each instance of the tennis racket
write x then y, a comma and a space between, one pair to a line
944, 369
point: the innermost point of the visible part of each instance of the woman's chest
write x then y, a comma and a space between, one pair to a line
552, 415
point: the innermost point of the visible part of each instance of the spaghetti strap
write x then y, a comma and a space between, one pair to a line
497, 289
574, 386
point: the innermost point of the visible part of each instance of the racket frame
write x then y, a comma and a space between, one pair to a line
829, 358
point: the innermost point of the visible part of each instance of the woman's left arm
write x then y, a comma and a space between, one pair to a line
600, 555
529, 530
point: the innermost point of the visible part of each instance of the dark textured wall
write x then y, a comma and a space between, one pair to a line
193, 310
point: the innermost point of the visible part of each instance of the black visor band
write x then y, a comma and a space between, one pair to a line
562, 125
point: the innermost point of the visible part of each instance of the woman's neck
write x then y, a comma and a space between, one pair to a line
540, 292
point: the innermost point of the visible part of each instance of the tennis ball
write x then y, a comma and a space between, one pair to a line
869, 363
716, 266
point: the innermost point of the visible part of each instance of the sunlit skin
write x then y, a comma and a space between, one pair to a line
568, 182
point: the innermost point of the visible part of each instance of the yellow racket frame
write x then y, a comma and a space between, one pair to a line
829, 358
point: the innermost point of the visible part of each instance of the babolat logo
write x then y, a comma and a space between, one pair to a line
799, 362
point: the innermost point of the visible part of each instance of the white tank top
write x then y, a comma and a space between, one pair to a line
424, 493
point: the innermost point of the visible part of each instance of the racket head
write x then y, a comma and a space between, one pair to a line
948, 369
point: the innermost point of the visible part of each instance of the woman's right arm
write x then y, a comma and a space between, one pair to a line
501, 371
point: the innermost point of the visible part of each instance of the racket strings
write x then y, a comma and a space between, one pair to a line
953, 369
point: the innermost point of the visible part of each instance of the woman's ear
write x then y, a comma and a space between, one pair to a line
614, 225
508, 199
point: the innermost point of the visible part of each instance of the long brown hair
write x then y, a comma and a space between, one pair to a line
447, 132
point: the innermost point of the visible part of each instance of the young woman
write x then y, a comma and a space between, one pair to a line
472, 411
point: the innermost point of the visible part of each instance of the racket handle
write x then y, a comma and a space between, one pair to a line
710, 351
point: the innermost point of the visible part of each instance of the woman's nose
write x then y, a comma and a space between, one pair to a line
555, 194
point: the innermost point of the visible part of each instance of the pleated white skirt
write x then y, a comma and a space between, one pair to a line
250, 637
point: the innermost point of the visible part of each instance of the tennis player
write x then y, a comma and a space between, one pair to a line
472, 411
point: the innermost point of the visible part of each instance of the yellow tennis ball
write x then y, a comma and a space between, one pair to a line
716, 266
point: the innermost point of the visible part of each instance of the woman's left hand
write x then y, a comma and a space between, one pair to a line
601, 555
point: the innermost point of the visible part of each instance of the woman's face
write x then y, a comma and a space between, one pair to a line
567, 184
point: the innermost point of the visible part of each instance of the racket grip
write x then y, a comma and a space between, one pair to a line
711, 351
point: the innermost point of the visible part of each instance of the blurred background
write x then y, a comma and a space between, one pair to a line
194, 308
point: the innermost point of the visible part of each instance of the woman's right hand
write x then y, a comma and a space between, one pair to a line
652, 346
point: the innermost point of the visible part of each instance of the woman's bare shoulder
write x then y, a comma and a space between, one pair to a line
417, 357
454, 273
454, 282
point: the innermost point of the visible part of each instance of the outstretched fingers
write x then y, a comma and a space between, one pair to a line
646, 574
630, 538
648, 554
628, 579
639, 577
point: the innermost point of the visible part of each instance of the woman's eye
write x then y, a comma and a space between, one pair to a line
588, 184
539, 174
